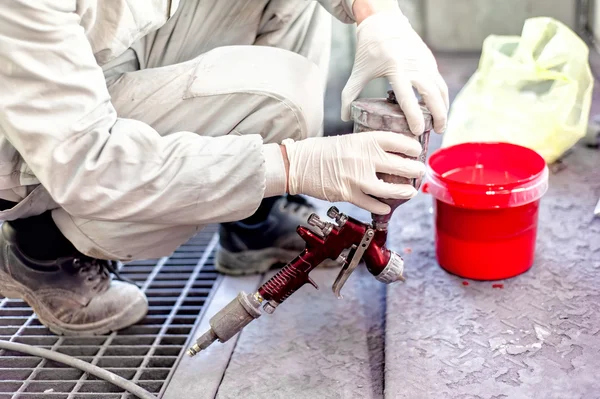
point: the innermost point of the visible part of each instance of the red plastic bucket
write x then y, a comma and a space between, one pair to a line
486, 208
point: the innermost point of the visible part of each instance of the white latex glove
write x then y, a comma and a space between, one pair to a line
389, 47
342, 168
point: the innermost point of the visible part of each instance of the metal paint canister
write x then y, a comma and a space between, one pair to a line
384, 114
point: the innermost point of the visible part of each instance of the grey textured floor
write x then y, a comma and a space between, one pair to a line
537, 337
433, 337
314, 345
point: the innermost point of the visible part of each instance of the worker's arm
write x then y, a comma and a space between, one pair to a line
56, 111
387, 46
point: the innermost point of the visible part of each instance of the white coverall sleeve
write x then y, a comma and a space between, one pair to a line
340, 9
56, 111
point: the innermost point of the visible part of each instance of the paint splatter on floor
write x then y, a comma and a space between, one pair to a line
465, 283
498, 286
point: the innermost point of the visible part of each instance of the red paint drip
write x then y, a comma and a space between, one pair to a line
498, 286
465, 283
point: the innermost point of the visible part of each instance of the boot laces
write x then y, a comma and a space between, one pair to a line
97, 271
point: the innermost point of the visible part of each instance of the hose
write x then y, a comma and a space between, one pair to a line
79, 364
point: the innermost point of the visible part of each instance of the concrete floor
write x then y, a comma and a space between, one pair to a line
431, 337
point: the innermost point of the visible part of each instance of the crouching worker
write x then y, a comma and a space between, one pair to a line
125, 127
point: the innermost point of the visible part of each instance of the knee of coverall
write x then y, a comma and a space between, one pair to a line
299, 98
271, 91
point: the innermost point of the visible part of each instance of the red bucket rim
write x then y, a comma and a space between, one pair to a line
442, 151
515, 192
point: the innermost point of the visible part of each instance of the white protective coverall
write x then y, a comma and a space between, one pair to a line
140, 122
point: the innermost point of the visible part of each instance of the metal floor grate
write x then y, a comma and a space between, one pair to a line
177, 288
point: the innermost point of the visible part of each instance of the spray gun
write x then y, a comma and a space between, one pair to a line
344, 239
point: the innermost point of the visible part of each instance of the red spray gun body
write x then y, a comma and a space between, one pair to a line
346, 239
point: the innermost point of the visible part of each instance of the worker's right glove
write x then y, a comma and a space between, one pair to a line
343, 168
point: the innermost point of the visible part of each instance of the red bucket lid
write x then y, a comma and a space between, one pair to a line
486, 175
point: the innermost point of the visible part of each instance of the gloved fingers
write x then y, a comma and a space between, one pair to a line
434, 99
408, 103
351, 91
381, 189
396, 165
441, 84
371, 204
398, 143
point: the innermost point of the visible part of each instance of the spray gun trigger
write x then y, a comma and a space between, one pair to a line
312, 282
355, 256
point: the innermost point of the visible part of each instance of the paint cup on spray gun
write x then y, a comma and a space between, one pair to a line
486, 202
384, 114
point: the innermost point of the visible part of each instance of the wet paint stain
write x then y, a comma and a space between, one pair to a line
465, 283
498, 286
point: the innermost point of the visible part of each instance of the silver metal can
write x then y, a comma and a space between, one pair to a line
384, 114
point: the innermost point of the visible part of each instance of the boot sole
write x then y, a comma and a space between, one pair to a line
258, 261
10, 288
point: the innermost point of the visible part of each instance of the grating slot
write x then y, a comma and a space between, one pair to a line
188, 310
199, 292
99, 386
9, 354
160, 310
152, 320
168, 284
68, 341
142, 330
18, 362
35, 330
9, 386
12, 321
120, 361
188, 255
66, 374
78, 350
126, 350
37, 340
15, 303
8, 330
179, 330
150, 386
187, 320
155, 374
56, 386
167, 351
198, 303
177, 288
16, 312
162, 361
202, 284
173, 340
15, 374
132, 340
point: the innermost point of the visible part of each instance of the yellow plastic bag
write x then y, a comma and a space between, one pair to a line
534, 90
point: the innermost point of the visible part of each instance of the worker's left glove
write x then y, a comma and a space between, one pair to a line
389, 47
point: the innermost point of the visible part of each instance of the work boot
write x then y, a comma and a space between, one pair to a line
256, 248
73, 295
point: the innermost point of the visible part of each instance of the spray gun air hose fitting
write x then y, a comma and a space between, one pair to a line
229, 321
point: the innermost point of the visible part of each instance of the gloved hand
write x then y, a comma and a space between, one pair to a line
343, 168
389, 47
